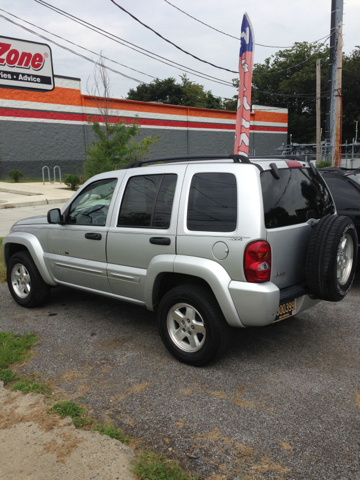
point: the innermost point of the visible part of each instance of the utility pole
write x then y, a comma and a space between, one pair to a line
333, 98
338, 103
318, 111
356, 130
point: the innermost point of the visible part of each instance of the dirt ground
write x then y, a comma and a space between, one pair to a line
35, 445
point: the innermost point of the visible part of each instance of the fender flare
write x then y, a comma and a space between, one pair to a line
209, 271
32, 244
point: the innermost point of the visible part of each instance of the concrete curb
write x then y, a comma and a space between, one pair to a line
30, 194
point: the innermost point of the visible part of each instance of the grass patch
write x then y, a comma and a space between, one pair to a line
154, 466
75, 411
8, 376
2, 266
112, 432
67, 409
29, 385
15, 348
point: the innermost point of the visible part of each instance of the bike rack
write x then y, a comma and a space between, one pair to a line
48, 170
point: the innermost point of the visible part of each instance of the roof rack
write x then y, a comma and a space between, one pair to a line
195, 158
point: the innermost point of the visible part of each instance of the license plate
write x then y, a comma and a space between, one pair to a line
285, 310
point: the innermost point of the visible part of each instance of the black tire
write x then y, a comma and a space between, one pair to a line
332, 258
204, 334
25, 282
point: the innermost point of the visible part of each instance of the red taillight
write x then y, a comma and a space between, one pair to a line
257, 264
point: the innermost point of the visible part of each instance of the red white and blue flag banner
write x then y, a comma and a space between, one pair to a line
242, 129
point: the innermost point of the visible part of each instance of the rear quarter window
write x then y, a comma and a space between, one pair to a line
295, 197
212, 203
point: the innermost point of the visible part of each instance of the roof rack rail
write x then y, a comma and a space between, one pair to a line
182, 158
280, 157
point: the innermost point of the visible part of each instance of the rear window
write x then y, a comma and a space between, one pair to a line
212, 203
296, 197
148, 201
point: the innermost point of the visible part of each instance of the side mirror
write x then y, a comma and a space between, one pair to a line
54, 216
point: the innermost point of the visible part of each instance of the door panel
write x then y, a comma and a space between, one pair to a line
145, 227
73, 258
77, 249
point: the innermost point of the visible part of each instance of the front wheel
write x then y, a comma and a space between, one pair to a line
191, 325
25, 282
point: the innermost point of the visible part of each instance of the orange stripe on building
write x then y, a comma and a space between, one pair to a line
59, 96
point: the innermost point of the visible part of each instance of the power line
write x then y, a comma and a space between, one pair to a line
227, 34
169, 41
204, 61
197, 20
68, 49
134, 47
73, 43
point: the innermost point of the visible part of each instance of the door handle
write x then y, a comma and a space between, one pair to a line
93, 236
160, 241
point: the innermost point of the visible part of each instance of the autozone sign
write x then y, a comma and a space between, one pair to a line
25, 65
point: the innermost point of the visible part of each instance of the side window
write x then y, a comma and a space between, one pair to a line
212, 203
148, 201
91, 206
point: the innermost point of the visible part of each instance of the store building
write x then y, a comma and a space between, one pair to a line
50, 129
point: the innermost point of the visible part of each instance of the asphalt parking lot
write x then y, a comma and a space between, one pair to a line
283, 403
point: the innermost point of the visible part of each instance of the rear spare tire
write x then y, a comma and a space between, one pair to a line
331, 258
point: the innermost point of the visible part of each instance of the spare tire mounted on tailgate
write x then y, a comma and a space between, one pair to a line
331, 258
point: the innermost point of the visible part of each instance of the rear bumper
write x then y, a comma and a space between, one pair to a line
257, 303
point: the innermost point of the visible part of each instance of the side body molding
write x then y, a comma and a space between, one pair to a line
35, 249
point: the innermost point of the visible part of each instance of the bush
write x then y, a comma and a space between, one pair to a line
323, 164
72, 181
15, 175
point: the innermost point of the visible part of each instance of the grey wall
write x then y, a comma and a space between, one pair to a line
28, 146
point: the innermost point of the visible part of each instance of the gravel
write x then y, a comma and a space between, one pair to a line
283, 403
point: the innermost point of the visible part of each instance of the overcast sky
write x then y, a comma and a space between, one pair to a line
279, 23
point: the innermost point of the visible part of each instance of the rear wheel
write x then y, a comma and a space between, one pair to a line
192, 325
332, 257
25, 282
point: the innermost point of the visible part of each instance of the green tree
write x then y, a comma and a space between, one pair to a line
287, 79
351, 94
168, 91
115, 147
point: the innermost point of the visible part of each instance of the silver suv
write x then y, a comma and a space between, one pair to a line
207, 242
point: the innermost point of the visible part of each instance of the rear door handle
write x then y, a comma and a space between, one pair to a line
160, 240
93, 236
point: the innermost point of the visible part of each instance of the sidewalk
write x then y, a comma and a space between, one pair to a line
14, 195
